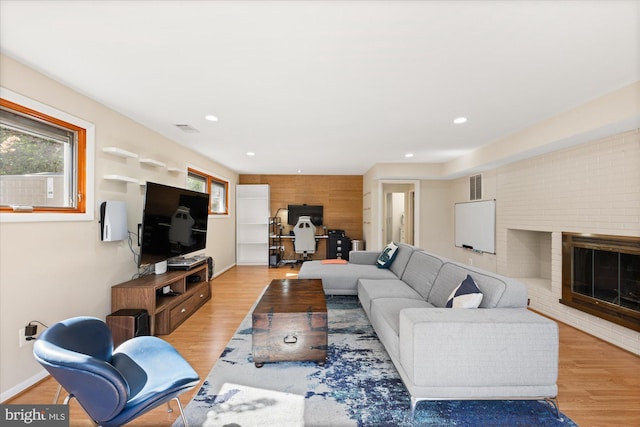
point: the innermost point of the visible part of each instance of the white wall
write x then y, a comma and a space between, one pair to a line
54, 270
436, 213
370, 196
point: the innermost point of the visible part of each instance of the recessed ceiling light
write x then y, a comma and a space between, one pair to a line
211, 118
250, 153
299, 170
408, 155
460, 120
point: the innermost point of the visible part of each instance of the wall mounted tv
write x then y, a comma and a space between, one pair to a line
174, 223
296, 211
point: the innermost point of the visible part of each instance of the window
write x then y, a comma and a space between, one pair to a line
217, 188
42, 162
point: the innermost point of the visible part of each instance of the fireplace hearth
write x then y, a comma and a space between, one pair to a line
601, 276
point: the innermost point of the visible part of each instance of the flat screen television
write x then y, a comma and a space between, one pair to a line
296, 211
174, 223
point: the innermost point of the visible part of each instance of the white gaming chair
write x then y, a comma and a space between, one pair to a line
305, 237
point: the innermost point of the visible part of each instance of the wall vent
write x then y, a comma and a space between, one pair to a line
187, 128
475, 187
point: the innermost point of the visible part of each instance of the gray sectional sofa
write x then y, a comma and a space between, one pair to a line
500, 350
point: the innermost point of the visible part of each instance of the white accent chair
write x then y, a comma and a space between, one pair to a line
305, 238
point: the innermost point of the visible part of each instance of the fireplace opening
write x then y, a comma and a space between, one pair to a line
601, 276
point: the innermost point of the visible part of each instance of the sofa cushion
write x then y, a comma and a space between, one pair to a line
399, 265
342, 279
385, 319
387, 256
466, 295
371, 289
363, 257
389, 309
421, 272
497, 291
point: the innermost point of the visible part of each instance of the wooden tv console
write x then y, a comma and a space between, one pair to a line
190, 289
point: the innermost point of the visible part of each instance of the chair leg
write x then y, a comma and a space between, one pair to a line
57, 396
184, 419
67, 400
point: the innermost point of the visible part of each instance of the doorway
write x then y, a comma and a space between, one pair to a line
398, 219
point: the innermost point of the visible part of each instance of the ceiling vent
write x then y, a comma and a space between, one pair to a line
475, 187
187, 128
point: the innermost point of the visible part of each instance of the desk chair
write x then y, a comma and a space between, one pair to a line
304, 242
112, 386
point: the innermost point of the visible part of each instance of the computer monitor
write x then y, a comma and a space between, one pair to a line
314, 211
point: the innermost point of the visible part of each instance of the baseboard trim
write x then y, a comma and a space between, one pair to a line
23, 386
216, 274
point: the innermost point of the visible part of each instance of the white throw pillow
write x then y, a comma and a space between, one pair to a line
465, 295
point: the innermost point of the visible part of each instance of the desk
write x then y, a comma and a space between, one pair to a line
287, 236
291, 259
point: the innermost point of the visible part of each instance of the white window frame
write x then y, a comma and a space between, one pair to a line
88, 215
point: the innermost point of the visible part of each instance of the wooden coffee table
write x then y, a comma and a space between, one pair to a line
290, 323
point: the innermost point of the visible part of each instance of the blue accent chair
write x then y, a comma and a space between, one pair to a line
113, 386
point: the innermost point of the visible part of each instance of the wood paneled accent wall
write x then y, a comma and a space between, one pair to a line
340, 195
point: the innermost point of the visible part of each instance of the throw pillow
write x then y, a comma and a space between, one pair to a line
465, 295
387, 255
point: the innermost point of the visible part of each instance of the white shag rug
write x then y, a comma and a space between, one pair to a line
238, 405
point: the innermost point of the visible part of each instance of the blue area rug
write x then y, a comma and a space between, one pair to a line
358, 386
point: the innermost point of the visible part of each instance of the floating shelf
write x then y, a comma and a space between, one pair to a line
152, 162
121, 178
115, 151
175, 170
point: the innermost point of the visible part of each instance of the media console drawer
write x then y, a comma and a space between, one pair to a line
182, 311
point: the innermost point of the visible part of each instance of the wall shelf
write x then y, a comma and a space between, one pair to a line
530, 256
120, 178
175, 170
152, 162
115, 151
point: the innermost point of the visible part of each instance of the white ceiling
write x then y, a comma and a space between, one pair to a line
330, 87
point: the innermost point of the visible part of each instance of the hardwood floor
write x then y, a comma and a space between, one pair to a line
599, 384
